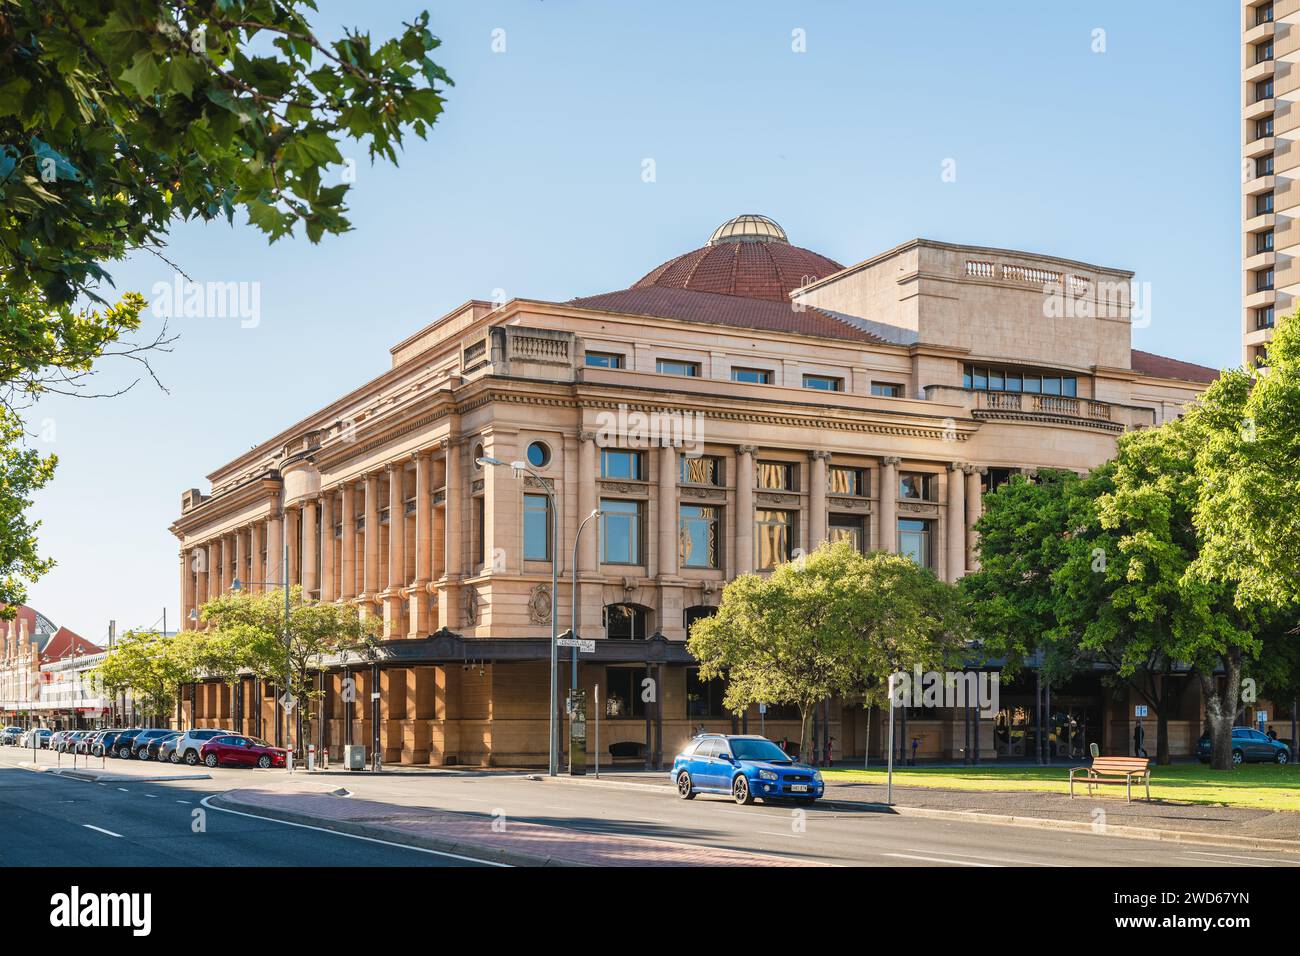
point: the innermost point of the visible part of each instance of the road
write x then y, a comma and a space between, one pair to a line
49, 820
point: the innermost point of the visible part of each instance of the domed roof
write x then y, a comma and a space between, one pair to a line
748, 256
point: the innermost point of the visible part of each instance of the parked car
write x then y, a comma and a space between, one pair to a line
1249, 746
122, 742
38, 737
192, 741
152, 749
236, 750
9, 736
104, 745
167, 748
56, 740
745, 766
140, 742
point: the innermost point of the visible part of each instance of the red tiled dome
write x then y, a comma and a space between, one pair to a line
748, 257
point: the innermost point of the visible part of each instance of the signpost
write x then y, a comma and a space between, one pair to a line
586, 647
889, 779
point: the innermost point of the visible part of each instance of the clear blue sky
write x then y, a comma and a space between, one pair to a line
531, 183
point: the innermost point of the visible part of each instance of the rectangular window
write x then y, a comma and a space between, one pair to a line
847, 481
627, 465
1051, 385
1033, 384
996, 380
704, 697
698, 529
1264, 241
917, 486
623, 699
1264, 51
850, 528
604, 360
888, 389
620, 532
537, 528
775, 475
1014, 382
1264, 14
480, 529
677, 367
1264, 318
914, 541
980, 378
825, 383
774, 538
1263, 280
1263, 127
1263, 204
752, 376
1264, 89
705, 470
1069, 386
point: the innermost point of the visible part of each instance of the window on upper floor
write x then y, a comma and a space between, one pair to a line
1263, 127
537, 528
1264, 241
1264, 51
605, 360
1263, 280
825, 383
775, 475
1264, 317
1264, 89
677, 367
775, 535
887, 389
704, 470
847, 481
993, 379
1263, 14
752, 376
1263, 204
1264, 165
621, 524
914, 541
850, 528
917, 486
699, 532
619, 464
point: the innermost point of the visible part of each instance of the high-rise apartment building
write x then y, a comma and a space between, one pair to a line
1269, 193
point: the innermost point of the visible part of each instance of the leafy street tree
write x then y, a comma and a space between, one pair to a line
151, 666
119, 118
22, 472
833, 622
247, 632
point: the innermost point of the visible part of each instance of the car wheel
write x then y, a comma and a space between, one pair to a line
143, 753
1238, 757
210, 760
123, 753
1283, 758
740, 791
173, 758
191, 757
264, 761
684, 788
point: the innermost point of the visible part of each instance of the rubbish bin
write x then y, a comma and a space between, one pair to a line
354, 757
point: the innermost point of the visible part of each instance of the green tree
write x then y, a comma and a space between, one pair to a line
832, 623
247, 632
151, 666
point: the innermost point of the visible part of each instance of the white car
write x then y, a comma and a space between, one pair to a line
37, 737
9, 736
192, 741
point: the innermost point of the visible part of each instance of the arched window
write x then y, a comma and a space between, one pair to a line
697, 613
625, 621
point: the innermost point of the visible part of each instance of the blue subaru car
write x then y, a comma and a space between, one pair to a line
746, 767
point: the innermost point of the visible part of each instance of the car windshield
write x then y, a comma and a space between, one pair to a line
258, 742
749, 749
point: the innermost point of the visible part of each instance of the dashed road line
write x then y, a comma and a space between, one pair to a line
89, 826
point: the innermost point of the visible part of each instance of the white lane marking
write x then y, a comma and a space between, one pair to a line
353, 836
102, 830
1251, 859
1197, 859
124, 790
152, 796
936, 859
182, 801
996, 859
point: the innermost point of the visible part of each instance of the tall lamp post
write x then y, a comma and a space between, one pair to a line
573, 593
522, 467
237, 585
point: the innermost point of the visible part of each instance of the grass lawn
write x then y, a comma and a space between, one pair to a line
1258, 786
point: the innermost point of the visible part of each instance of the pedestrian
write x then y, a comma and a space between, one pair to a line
916, 742
827, 750
1139, 735
785, 745
1272, 734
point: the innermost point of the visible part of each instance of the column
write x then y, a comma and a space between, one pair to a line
187, 591
956, 522
745, 508
396, 549
370, 546
328, 550
817, 499
588, 501
213, 557
419, 606
667, 511
256, 568
241, 566
292, 520
974, 508
454, 493
310, 580
348, 542
889, 503
274, 549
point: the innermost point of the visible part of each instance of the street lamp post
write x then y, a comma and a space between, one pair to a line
236, 585
523, 467
573, 594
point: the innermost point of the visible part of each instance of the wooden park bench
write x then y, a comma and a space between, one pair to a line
1114, 770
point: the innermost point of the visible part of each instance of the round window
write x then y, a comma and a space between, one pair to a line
539, 456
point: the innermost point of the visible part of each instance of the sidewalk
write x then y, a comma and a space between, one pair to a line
1158, 819
489, 837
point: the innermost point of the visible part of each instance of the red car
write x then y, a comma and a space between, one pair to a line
236, 750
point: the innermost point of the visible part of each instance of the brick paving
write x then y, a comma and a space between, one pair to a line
474, 835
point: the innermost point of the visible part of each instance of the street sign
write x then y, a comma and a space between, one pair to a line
1139, 710
586, 647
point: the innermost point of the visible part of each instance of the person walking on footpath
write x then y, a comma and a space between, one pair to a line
1139, 735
